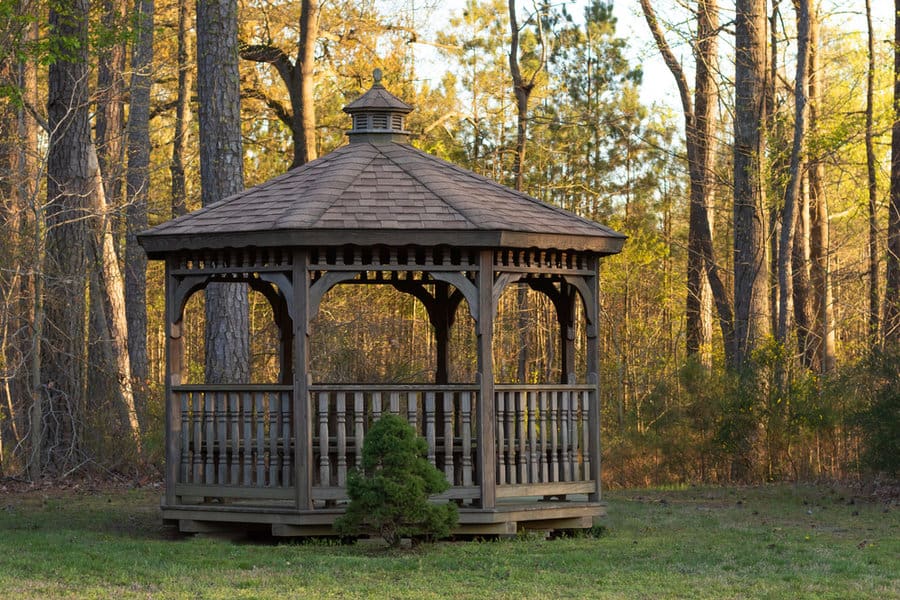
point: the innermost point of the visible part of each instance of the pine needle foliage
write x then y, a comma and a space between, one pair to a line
389, 495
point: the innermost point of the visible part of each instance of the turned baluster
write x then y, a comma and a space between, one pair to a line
448, 437
511, 436
341, 439
260, 418
221, 403
197, 441
572, 435
576, 432
185, 438
585, 432
274, 435
324, 462
545, 472
209, 426
466, 423
565, 454
286, 456
522, 459
412, 403
430, 427
376, 406
501, 438
359, 414
235, 458
532, 436
554, 436
248, 439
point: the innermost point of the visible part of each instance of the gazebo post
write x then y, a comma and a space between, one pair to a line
486, 440
302, 413
592, 312
174, 372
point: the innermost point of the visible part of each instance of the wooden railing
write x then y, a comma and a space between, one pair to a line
443, 415
542, 434
236, 441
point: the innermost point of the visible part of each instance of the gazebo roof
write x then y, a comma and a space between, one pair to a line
378, 189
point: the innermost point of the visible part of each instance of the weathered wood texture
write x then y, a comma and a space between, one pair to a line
234, 439
240, 438
441, 414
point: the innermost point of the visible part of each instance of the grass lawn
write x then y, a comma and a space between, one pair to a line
780, 541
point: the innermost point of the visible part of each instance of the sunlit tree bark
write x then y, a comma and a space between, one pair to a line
221, 174
700, 124
750, 304
792, 192
820, 246
892, 289
298, 77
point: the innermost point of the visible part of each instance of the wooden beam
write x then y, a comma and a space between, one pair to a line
302, 414
545, 489
592, 313
174, 373
485, 332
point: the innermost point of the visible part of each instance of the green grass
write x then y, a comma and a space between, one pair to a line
778, 541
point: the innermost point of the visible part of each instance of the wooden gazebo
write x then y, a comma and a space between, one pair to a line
377, 211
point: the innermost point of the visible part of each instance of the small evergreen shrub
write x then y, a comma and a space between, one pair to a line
389, 495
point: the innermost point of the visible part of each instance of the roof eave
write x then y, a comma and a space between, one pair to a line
158, 245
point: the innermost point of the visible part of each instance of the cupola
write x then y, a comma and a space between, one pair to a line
378, 115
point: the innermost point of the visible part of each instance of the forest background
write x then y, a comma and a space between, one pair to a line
750, 327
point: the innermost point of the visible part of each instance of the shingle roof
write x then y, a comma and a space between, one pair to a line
378, 189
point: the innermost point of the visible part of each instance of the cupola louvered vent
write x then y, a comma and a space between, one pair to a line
378, 115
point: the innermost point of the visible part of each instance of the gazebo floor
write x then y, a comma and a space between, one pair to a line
507, 518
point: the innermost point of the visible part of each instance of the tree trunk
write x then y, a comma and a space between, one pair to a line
9, 226
69, 189
703, 275
27, 344
800, 275
138, 184
891, 327
306, 111
182, 116
113, 290
792, 193
221, 175
820, 271
779, 164
299, 78
110, 99
750, 302
871, 167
